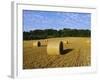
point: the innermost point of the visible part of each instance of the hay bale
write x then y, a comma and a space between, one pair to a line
54, 47
36, 44
65, 41
46, 42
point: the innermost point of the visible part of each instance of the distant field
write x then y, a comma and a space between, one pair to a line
79, 54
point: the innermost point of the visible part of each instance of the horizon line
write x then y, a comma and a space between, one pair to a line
57, 29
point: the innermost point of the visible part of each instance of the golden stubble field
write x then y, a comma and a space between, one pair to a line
77, 53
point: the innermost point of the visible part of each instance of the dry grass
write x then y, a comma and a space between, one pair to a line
76, 53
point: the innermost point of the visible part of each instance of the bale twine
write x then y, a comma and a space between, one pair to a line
54, 47
36, 44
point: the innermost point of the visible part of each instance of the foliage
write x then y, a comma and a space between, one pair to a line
51, 33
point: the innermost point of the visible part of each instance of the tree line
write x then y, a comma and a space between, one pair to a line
52, 33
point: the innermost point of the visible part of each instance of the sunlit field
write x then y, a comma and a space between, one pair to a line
77, 53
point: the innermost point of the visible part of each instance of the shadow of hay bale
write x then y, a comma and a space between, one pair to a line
66, 51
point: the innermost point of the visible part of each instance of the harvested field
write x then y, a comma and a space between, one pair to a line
77, 52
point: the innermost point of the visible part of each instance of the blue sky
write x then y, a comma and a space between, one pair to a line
56, 20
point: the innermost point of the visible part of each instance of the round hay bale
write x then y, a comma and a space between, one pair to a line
46, 42
54, 47
36, 44
65, 42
